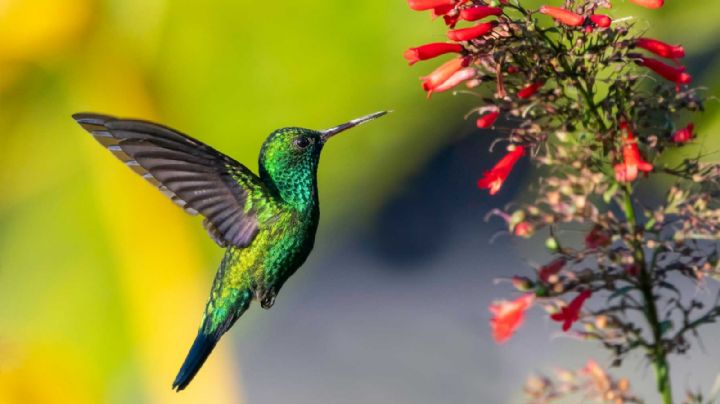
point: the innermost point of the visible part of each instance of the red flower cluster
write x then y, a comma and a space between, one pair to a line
443, 78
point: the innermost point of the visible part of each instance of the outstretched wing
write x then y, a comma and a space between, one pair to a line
197, 177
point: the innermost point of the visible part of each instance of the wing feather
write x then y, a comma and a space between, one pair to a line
195, 176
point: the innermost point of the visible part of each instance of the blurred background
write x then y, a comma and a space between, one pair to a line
103, 280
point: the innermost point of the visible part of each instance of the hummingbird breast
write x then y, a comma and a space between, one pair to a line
281, 246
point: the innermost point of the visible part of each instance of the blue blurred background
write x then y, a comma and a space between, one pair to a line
102, 280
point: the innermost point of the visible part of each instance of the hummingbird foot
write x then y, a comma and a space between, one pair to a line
268, 300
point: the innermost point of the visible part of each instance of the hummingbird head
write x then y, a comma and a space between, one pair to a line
289, 159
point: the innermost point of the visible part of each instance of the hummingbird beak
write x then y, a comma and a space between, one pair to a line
328, 133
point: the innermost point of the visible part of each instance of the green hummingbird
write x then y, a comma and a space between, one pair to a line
266, 222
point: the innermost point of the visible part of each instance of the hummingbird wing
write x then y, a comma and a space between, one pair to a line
195, 176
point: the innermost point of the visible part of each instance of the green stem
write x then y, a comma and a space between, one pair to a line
658, 353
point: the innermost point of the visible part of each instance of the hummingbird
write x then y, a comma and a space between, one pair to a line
265, 222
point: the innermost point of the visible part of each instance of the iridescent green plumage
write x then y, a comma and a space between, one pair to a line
266, 222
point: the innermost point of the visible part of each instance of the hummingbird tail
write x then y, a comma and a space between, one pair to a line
201, 349
210, 333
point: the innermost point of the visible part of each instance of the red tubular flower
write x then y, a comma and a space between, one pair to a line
530, 90
488, 119
600, 20
479, 12
421, 5
546, 271
675, 74
660, 48
493, 179
508, 316
563, 16
457, 78
466, 34
571, 313
431, 50
442, 10
441, 74
684, 135
627, 171
649, 3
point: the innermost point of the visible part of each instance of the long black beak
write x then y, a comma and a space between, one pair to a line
328, 133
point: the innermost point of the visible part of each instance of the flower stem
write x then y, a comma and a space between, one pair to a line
658, 353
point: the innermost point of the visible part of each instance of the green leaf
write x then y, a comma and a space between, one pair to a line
620, 292
665, 326
610, 193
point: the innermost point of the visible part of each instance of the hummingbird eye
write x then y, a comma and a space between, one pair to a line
301, 142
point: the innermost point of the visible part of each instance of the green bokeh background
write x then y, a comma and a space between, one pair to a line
101, 279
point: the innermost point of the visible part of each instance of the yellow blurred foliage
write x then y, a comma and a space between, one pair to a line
42, 374
35, 29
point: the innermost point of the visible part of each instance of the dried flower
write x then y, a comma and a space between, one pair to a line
494, 179
508, 316
521, 283
597, 238
431, 50
546, 271
563, 16
571, 313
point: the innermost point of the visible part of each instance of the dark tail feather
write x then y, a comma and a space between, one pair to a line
199, 352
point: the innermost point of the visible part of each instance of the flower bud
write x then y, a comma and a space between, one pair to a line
649, 3
563, 16
660, 48
487, 120
421, 5
431, 50
522, 284
479, 12
466, 34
